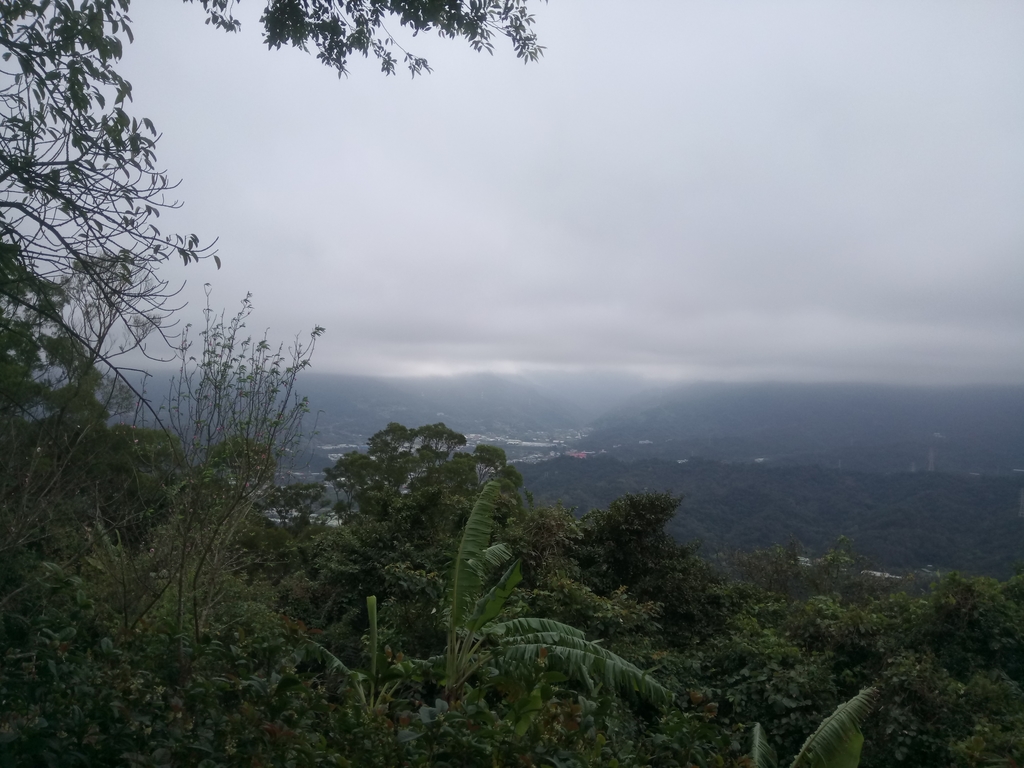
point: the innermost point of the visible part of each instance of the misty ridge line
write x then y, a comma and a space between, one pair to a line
915, 476
854, 426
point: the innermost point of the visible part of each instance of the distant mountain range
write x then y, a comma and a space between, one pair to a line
357, 406
868, 428
856, 427
916, 476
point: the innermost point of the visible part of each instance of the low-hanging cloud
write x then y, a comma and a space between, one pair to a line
692, 190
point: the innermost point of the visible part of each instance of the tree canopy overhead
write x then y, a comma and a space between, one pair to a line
340, 29
81, 190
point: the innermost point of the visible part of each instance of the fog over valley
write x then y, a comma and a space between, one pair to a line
695, 191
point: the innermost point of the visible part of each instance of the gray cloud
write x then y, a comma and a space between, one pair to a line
698, 190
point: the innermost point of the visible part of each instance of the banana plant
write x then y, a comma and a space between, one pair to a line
374, 686
475, 638
836, 743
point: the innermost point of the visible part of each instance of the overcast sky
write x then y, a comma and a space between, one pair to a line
712, 190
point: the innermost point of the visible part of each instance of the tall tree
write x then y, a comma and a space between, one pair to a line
80, 187
80, 190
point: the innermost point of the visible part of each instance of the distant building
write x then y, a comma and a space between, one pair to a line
881, 574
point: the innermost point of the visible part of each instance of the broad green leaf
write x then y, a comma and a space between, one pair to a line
464, 581
837, 741
490, 605
371, 612
583, 660
528, 712
288, 683
332, 662
529, 626
847, 756
760, 750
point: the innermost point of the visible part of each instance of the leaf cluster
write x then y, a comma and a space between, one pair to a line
340, 30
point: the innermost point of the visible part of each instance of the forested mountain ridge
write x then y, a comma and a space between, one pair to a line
902, 521
764, 463
860, 427
854, 427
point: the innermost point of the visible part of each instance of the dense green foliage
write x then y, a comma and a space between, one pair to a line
902, 521
165, 603
477, 645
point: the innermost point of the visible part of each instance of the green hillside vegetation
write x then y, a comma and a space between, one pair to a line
855, 427
901, 521
165, 602
182, 609
963, 430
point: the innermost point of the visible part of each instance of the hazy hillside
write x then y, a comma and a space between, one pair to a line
902, 521
869, 428
863, 428
811, 461
354, 406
